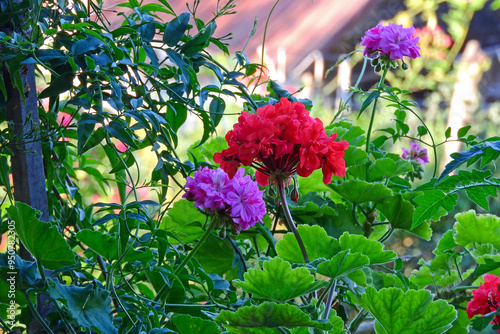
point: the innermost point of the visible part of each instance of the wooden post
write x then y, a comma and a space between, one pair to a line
27, 162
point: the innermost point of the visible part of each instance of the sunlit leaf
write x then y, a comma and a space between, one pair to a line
373, 249
270, 315
410, 312
316, 242
279, 282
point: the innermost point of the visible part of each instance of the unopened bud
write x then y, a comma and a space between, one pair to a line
294, 196
374, 62
404, 66
378, 68
222, 233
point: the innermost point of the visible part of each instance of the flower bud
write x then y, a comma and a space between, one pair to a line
378, 68
404, 66
294, 196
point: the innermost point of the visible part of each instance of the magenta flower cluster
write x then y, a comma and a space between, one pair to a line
238, 198
416, 153
391, 40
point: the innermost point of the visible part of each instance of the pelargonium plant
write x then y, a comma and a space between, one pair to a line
385, 44
485, 299
278, 141
235, 203
418, 157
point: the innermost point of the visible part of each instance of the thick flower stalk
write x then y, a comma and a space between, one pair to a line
386, 44
486, 298
280, 140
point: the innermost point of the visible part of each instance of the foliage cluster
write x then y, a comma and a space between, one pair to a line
139, 265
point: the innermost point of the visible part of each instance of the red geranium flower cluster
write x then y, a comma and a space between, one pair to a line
280, 140
486, 298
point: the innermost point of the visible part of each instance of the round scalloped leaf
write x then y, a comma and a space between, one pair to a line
358, 191
268, 315
279, 282
342, 264
479, 229
43, 241
187, 324
89, 306
407, 313
371, 248
317, 243
387, 168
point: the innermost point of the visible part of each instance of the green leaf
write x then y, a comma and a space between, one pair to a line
187, 324
399, 212
119, 130
446, 243
279, 282
217, 107
91, 308
270, 315
43, 241
185, 221
372, 96
407, 313
479, 229
199, 41
215, 255
463, 131
174, 30
354, 134
387, 168
475, 152
358, 191
487, 266
480, 323
429, 204
316, 242
58, 85
342, 264
102, 244
311, 206
95, 139
479, 195
371, 248
447, 133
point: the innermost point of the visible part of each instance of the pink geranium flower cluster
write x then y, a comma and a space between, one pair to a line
486, 298
392, 41
238, 199
278, 141
416, 153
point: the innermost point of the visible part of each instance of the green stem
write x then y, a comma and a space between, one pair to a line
289, 219
195, 249
372, 118
37, 315
386, 235
351, 93
188, 257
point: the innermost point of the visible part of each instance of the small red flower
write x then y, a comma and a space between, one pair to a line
486, 298
280, 140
